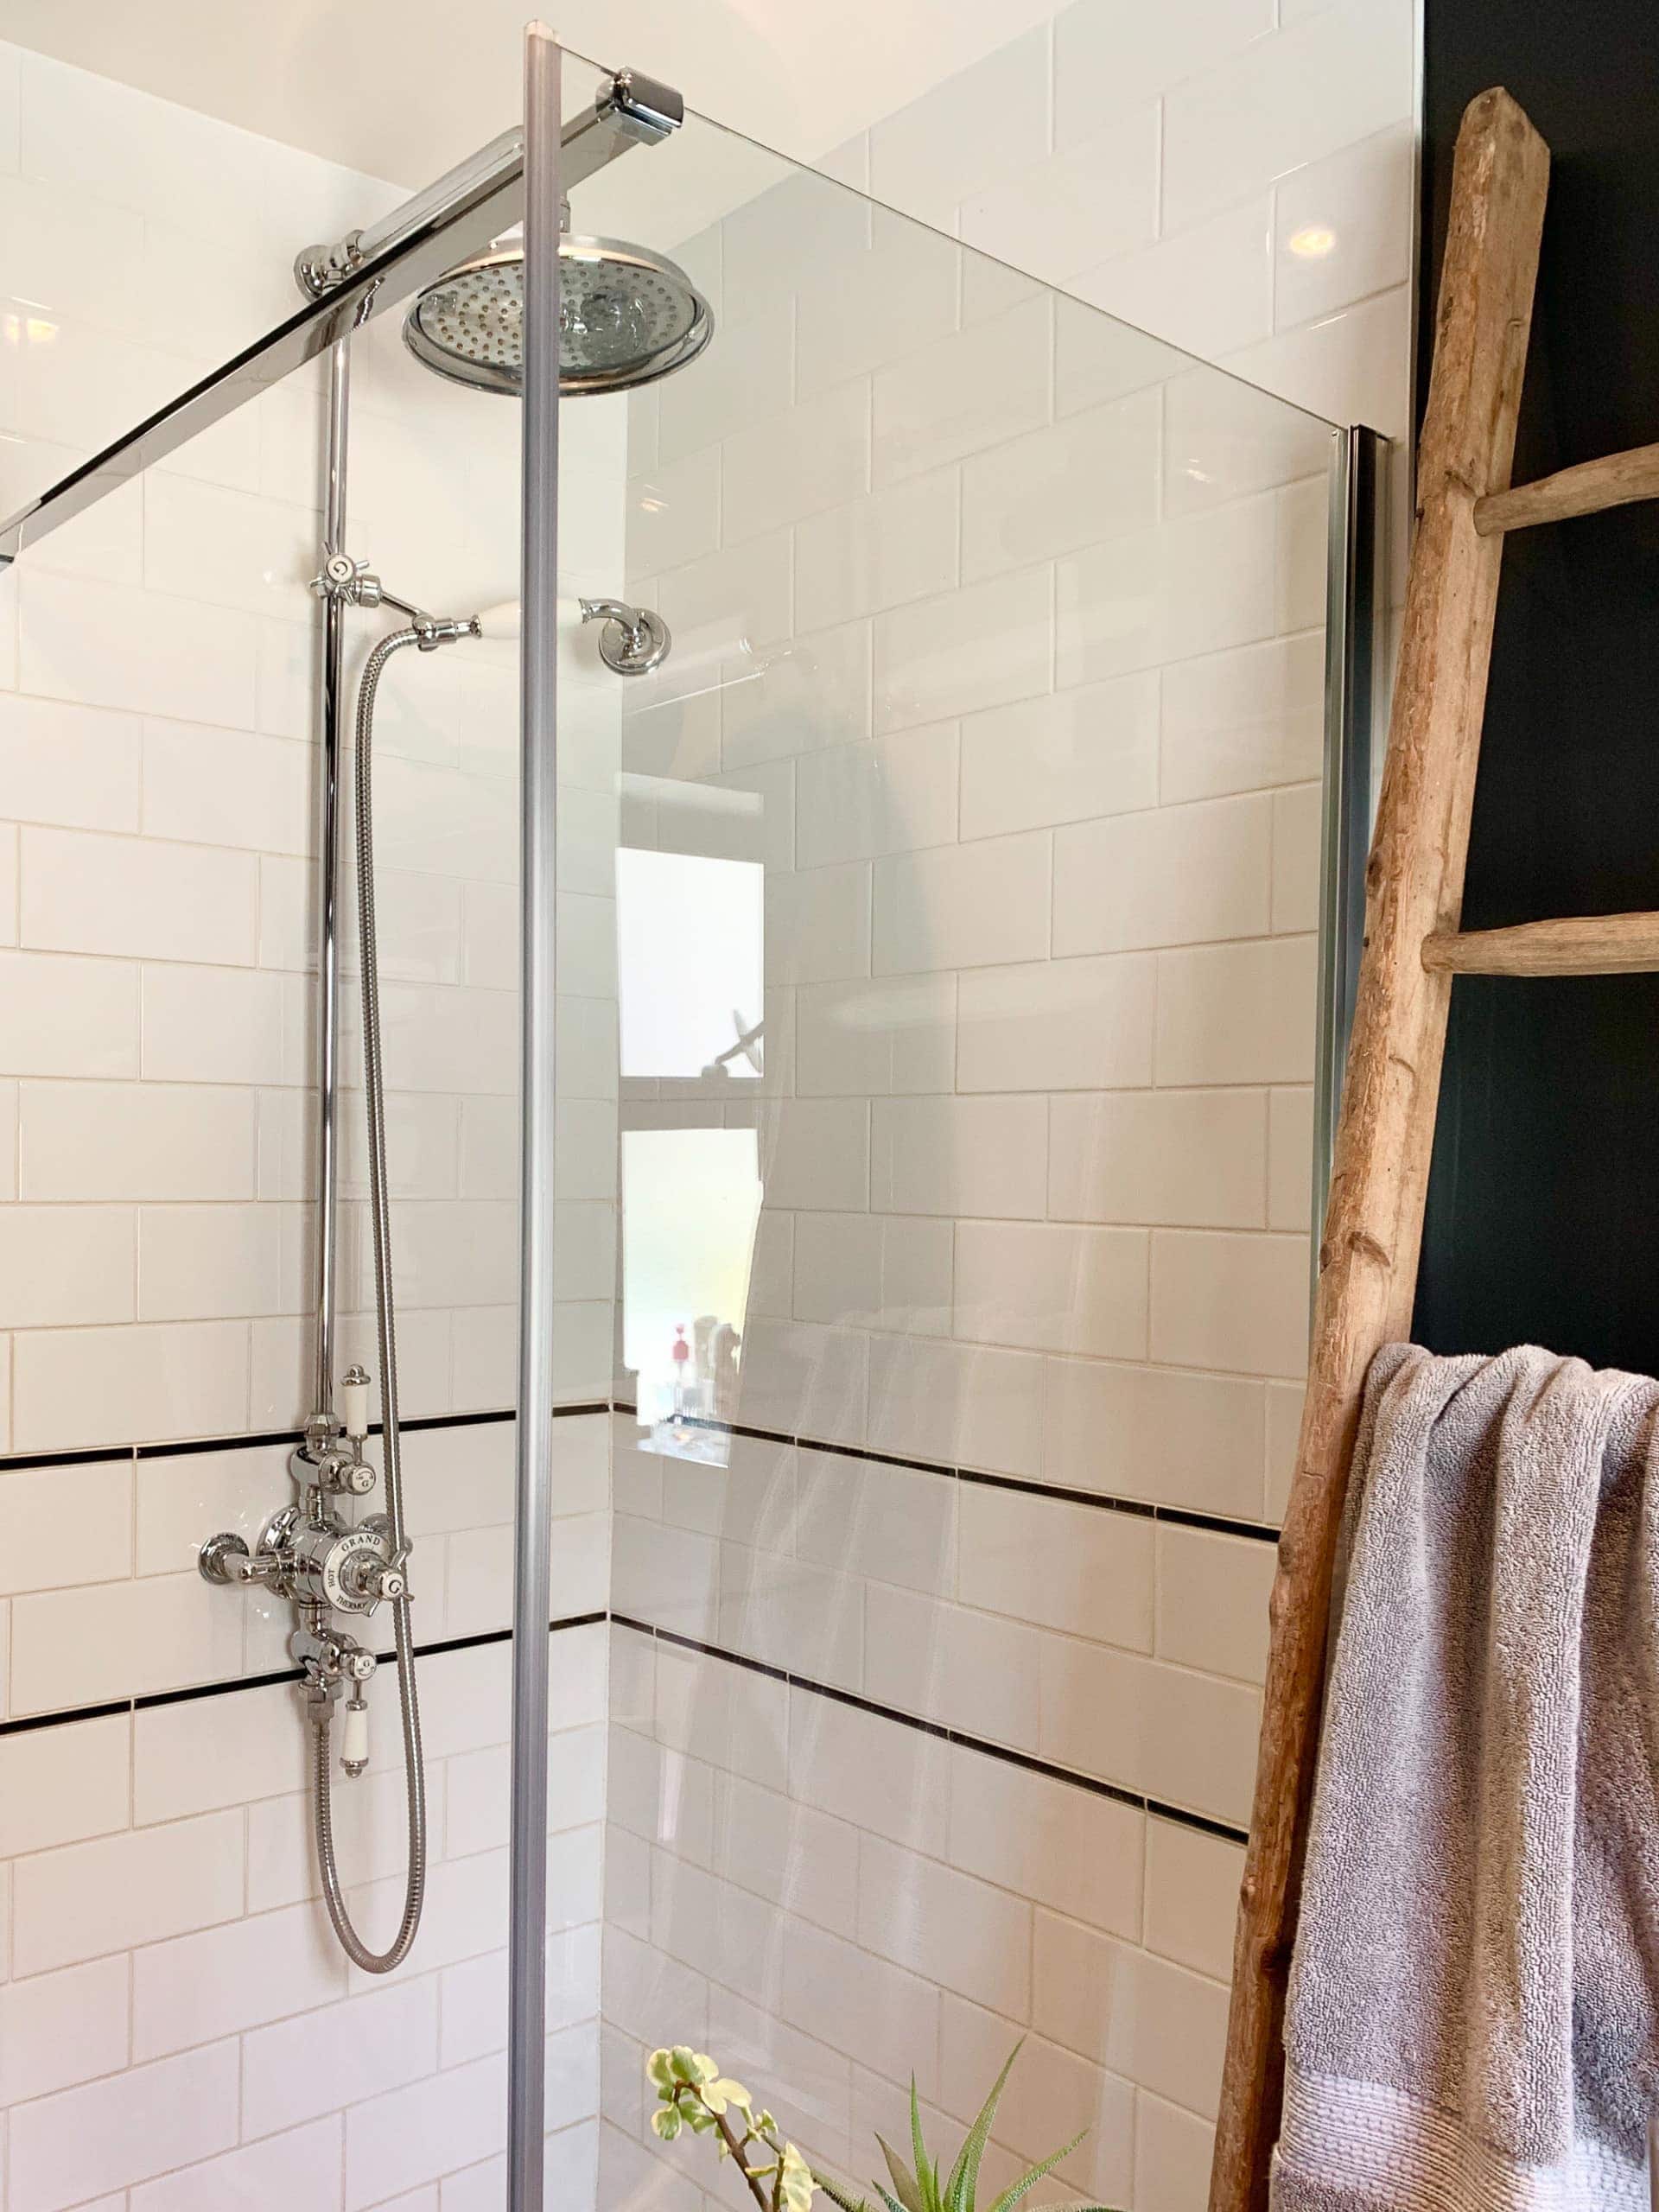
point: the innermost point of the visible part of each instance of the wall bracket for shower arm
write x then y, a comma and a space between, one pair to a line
629, 109
341, 577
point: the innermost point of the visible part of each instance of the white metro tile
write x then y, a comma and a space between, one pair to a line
66, 1524
955, 1930
1083, 1569
1233, 1302
1223, 439
867, 1038
430, 2127
124, 2129
1177, 875
1344, 226
963, 1669
91, 1898
70, 765
113, 646
61, 1265
85, 893
68, 1016
128, 1385
117, 1639
1237, 721
1152, 2023
796, 464
219, 1981
1298, 825
1140, 53
972, 1405
1354, 364
980, 905
961, 395
1237, 1013
1050, 1289
896, 794
1191, 1158
1093, 475
1290, 1159
853, 315
1139, 1432
1200, 583
1057, 1024
135, 1141
1096, 197
1283, 102
982, 646
899, 545
60, 2029
1173, 2152
1066, 757
1212, 1601
982, 123
1192, 1897
1047, 1840
984, 1156
302, 2166
221, 787
63, 1785
1208, 289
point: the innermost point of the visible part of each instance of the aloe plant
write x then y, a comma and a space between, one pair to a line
693, 2093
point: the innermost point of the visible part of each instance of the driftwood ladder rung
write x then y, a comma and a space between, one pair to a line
1616, 481
1589, 945
1414, 948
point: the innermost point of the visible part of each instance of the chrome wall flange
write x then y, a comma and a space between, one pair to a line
633, 640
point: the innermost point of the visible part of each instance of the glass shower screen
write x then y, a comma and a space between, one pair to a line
965, 910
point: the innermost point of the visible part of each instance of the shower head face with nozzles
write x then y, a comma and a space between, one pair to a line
626, 316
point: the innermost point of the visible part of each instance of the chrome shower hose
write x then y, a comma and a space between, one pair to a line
374, 1088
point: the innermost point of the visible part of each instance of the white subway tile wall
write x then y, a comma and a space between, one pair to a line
1040, 923
179, 2031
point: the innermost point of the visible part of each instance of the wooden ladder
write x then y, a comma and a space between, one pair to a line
1373, 1224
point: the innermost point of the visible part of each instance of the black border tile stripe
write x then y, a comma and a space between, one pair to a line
1027, 1762
1143, 1509
193, 1693
1096, 1786
254, 1439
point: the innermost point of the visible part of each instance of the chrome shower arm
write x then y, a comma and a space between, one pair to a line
630, 109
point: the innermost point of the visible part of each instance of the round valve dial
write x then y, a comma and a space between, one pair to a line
349, 1568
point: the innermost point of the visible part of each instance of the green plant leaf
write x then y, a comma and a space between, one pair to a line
962, 2187
927, 2176
904, 2182
839, 2194
1033, 2174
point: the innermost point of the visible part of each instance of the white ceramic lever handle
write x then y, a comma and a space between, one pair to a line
354, 1402
355, 1737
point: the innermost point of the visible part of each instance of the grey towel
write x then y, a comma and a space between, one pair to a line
1472, 2019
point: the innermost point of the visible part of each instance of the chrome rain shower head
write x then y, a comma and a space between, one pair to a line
627, 317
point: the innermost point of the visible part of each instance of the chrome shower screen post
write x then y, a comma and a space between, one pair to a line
1356, 601
539, 753
328, 1013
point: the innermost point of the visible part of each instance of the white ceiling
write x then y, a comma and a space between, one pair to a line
403, 88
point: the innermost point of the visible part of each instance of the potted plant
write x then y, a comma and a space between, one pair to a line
693, 2094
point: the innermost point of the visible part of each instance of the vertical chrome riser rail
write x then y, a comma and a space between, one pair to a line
527, 1940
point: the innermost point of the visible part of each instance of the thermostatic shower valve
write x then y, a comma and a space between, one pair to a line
312, 1558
